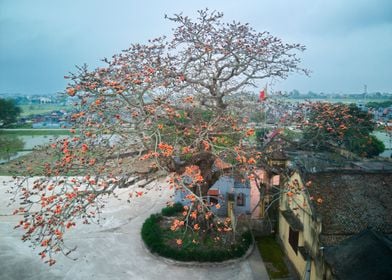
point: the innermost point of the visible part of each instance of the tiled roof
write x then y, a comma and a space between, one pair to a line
366, 255
352, 202
214, 192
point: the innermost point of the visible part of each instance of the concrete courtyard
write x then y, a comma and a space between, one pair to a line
112, 250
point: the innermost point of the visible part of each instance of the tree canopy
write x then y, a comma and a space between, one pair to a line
9, 112
342, 125
173, 106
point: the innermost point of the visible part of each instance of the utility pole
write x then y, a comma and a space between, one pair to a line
364, 91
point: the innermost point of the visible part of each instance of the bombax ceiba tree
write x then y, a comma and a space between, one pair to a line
171, 107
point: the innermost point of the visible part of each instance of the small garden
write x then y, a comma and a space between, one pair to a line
167, 235
273, 257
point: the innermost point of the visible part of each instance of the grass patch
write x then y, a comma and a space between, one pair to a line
36, 159
33, 160
13, 141
20, 126
273, 257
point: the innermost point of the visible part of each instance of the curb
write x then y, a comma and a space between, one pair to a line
200, 264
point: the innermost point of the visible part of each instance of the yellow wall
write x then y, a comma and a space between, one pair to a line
298, 203
297, 260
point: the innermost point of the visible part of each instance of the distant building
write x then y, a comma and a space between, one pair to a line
41, 125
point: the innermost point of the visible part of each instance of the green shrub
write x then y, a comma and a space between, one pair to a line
172, 210
152, 236
151, 233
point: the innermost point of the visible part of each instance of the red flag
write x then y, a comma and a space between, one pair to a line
263, 95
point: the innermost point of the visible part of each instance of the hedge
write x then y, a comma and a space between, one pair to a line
152, 237
172, 210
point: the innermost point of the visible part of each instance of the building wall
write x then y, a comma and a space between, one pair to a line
296, 259
298, 203
179, 196
225, 185
257, 207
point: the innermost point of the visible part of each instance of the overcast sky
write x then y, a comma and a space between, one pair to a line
349, 42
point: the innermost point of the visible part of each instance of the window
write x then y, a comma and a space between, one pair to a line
293, 239
241, 199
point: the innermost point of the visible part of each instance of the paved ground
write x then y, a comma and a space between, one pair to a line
113, 250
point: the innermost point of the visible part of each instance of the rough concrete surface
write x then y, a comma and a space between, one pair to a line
112, 250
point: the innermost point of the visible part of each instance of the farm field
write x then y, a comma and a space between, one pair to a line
28, 110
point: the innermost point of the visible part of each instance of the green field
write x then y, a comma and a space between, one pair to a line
33, 109
33, 132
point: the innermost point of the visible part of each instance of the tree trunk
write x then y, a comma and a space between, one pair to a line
205, 162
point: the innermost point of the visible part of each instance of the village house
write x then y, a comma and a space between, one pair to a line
227, 188
242, 194
230, 188
335, 224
